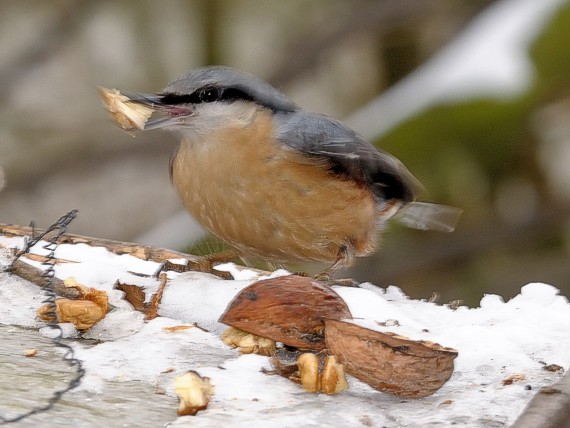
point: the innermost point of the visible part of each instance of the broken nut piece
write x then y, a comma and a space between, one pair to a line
516, 377
90, 308
129, 115
309, 371
248, 343
194, 392
331, 380
30, 352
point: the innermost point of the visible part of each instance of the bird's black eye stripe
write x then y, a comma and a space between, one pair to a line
207, 95
173, 99
235, 94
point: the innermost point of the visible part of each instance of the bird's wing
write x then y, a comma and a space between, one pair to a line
426, 216
347, 153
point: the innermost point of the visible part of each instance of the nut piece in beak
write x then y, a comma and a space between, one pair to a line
127, 113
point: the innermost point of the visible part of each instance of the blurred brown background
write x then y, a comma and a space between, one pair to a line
473, 96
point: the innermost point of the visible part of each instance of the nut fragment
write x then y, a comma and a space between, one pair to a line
84, 314
194, 392
89, 309
247, 342
515, 377
129, 115
288, 309
331, 380
309, 371
30, 352
388, 362
553, 368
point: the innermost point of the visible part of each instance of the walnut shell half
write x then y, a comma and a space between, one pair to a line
388, 362
289, 309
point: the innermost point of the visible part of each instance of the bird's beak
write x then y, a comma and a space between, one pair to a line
163, 115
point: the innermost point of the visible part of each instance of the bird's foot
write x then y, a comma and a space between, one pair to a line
326, 277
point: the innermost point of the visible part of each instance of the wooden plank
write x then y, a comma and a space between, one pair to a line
549, 408
144, 252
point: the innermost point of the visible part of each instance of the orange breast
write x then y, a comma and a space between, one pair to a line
269, 201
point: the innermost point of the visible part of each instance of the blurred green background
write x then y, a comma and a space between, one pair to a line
501, 154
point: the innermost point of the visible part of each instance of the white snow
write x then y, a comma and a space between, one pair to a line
494, 341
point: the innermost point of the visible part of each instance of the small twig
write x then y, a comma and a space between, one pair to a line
152, 311
36, 276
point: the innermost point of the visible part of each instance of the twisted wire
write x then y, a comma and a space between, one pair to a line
59, 227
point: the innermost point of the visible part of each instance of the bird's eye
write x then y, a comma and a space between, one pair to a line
208, 95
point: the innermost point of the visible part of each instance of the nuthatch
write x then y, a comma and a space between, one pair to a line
276, 182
